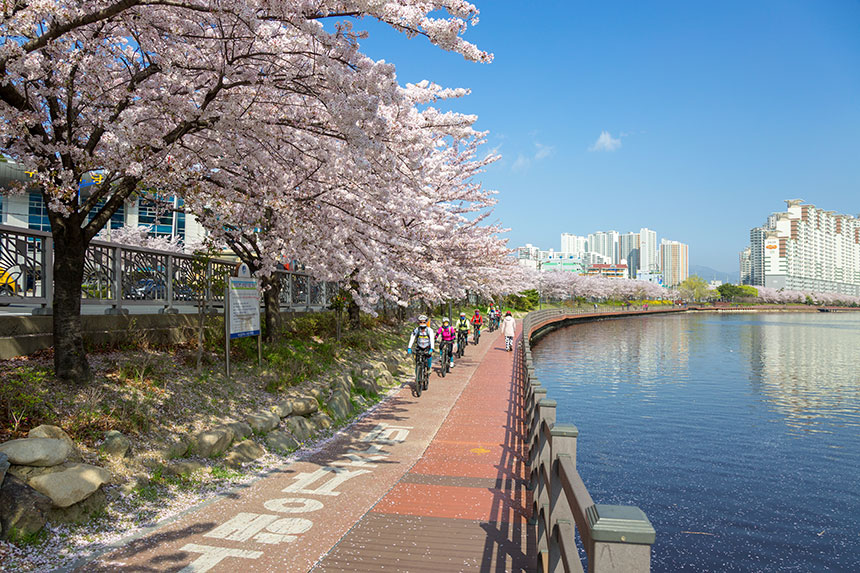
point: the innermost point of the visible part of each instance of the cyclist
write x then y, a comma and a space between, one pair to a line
477, 321
447, 333
462, 333
423, 342
496, 317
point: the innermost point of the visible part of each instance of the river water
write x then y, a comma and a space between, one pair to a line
738, 435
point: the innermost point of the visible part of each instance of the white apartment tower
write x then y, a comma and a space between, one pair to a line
574, 244
745, 262
648, 261
604, 243
807, 249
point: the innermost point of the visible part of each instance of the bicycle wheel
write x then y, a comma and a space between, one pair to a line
445, 360
419, 375
426, 372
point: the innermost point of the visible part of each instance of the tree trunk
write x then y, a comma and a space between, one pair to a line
352, 310
70, 358
272, 304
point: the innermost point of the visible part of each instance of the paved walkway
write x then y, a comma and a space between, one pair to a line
422, 484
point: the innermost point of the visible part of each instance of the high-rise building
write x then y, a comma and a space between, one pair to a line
629, 252
574, 244
674, 262
745, 260
807, 249
605, 243
648, 261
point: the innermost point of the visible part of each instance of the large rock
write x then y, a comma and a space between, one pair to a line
73, 484
342, 382
281, 442
243, 453
36, 451
284, 408
4, 465
176, 448
322, 421
299, 427
367, 384
304, 405
26, 473
115, 444
240, 430
262, 422
212, 442
49, 431
23, 510
340, 405
179, 468
81, 511
385, 378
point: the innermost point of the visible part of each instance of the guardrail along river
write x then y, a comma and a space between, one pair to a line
737, 435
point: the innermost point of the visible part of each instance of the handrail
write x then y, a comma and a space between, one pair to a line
616, 538
120, 276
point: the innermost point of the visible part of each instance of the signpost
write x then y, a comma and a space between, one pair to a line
242, 310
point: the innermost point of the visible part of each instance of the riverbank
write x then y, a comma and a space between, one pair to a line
169, 412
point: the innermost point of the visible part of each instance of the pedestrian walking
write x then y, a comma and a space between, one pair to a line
509, 329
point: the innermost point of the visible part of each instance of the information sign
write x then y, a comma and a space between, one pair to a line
244, 307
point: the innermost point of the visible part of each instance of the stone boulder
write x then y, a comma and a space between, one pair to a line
360, 402
281, 442
73, 484
262, 422
23, 510
284, 408
240, 430
4, 465
212, 442
179, 468
304, 405
342, 382
81, 511
54, 432
36, 451
385, 378
243, 453
176, 448
367, 384
116, 445
339, 404
316, 392
322, 421
27, 473
299, 427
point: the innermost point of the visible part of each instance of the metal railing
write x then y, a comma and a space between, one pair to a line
121, 277
616, 538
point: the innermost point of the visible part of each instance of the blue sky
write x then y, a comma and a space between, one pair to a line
713, 113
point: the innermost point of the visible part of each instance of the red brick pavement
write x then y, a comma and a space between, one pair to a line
432, 483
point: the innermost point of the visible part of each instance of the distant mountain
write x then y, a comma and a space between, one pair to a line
710, 274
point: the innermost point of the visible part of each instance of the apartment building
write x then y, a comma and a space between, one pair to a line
805, 248
674, 262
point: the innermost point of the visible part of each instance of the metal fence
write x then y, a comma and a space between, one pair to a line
120, 277
615, 537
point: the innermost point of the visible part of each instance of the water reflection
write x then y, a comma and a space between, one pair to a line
806, 367
740, 426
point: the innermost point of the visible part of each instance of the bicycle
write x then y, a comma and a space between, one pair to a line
422, 376
445, 352
462, 341
477, 336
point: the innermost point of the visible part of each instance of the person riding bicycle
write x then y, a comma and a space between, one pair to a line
462, 331
477, 321
491, 316
423, 341
448, 334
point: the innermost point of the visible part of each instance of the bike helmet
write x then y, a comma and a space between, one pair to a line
445, 320
477, 311
462, 315
422, 320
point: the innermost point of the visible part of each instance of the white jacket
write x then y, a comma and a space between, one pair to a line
509, 326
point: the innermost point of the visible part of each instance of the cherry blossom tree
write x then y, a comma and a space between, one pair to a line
116, 86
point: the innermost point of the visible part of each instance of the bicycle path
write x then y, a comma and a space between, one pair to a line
394, 470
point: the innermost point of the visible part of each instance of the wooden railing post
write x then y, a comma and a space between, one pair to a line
620, 537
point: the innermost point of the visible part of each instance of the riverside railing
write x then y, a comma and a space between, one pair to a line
616, 538
120, 277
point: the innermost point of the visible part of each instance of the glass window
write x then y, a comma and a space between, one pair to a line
37, 218
163, 221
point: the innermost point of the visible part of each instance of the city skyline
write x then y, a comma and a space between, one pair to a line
695, 118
